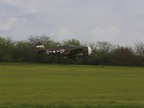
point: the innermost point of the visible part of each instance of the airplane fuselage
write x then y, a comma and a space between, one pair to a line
64, 50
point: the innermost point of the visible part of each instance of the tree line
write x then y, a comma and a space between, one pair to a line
104, 53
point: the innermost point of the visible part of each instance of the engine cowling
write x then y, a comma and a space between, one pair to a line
89, 50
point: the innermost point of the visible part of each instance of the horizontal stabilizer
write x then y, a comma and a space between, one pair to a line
40, 47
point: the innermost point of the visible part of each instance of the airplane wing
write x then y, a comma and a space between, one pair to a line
76, 51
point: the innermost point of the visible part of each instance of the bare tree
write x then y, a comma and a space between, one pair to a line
104, 47
139, 49
72, 42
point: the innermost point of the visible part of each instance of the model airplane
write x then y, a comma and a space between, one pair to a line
66, 51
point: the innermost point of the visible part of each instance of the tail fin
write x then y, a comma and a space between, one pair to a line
40, 47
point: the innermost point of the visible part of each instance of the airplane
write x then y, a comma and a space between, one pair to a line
66, 51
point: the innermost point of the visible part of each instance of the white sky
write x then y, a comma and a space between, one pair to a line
116, 21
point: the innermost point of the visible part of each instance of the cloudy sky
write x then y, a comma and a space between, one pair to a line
117, 21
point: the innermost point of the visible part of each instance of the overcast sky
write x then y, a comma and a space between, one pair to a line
116, 21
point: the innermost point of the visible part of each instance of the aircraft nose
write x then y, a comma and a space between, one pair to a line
89, 50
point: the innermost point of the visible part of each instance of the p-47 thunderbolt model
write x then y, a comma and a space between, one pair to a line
66, 51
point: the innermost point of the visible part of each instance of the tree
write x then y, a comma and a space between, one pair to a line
72, 42
44, 40
6, 49
24, 52
104, 47
123, 56
139, 49
103, 50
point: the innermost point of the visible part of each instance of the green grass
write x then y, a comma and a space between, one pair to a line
70, 86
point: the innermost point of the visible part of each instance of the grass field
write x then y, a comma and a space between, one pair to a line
72, 86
